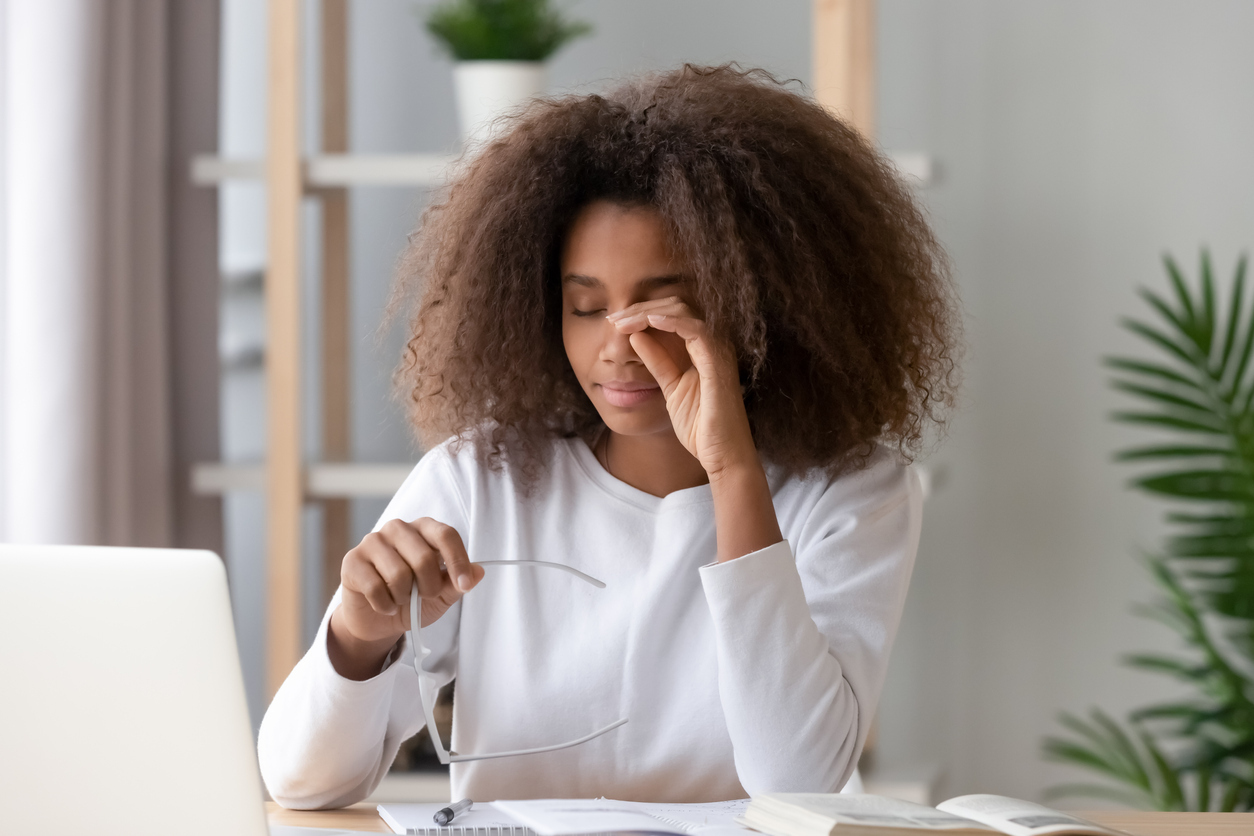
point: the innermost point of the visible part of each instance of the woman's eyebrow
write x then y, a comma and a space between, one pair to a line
592, 282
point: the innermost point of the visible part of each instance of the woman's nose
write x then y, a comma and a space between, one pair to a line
616, 345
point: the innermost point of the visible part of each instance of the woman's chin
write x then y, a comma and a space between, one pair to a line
636, 421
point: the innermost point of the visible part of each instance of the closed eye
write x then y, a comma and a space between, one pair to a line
577, 312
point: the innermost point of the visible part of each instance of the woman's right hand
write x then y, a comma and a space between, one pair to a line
376, 577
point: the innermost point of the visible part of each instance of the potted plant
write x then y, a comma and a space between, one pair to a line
500, 48
1195, 752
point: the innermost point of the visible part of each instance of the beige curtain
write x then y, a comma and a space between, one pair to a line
85, 380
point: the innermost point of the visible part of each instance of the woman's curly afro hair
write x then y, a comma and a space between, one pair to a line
800, 243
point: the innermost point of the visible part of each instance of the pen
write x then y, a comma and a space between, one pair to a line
445, 815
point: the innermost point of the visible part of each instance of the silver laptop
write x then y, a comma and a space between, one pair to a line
121, 701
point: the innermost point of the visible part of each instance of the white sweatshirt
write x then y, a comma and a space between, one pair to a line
755, 675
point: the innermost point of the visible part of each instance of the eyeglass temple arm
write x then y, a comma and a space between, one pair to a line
598, 584
415, 628
453, 757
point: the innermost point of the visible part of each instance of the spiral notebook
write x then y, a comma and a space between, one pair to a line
479, 820
560, 817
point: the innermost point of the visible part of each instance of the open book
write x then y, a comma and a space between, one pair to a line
815, 814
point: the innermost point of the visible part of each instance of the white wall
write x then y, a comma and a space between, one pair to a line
1075, 142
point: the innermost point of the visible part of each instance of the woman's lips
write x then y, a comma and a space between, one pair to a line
625, 397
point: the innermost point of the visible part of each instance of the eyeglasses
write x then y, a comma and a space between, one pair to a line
428, 688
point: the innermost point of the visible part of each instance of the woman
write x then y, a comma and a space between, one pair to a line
681, 338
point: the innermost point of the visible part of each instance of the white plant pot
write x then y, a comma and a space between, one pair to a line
487, 89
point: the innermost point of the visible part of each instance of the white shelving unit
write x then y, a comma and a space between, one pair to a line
334, 170
322, 480
843, 33
345, 170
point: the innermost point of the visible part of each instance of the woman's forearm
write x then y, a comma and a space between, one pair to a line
351, 657
744, 514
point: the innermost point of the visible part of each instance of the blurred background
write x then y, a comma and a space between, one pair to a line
1059, 148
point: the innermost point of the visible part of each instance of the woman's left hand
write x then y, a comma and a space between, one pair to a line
704, 400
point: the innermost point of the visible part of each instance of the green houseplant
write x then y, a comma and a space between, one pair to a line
500, 48
1195, 753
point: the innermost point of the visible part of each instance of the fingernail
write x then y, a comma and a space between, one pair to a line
463, 583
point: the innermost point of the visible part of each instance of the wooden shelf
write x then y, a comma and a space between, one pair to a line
321, 480
344, 170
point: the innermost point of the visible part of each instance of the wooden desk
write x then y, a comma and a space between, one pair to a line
364, 817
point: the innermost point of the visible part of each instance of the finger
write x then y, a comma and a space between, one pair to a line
671, 304
363, 577
657, 360
418, 561
396, 573
448, 542
708, 358
695, 334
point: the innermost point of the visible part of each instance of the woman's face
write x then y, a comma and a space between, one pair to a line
615, 256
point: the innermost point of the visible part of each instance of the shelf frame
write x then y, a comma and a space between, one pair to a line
284, 488
336, 321
320, 480
332, 171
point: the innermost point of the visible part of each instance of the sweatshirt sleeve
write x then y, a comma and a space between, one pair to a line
804, 627
327, 741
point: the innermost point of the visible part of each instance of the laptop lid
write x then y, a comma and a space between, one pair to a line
122, 705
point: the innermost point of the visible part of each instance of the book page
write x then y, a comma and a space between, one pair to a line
1022, 818
714, 818
566, 816
858, 809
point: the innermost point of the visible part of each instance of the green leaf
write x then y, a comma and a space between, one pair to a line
1121, 743
1151, 370
1182, 293
1167, 421
510, 30
1169, 451
1184, 325
1170, 711
1163, 664
1206, 320
1162, 396
1208, 519
1247, 346
1065, 750
1209, 485
1170, 792
1234, 315
1232, 794
1167, 616
1160, 339
1216, 546
1105, 752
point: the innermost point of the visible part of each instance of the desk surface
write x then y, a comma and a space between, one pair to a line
364, 817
